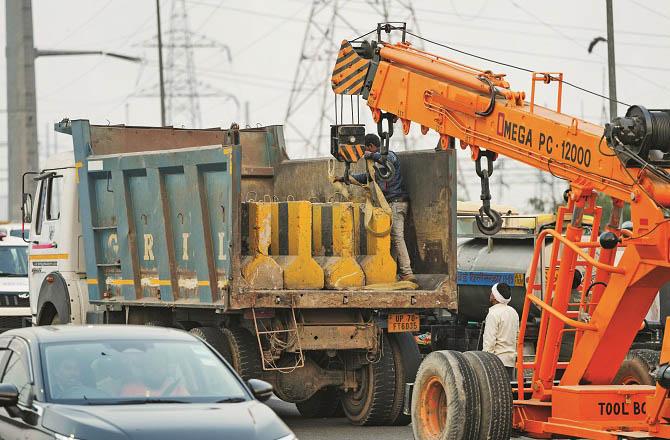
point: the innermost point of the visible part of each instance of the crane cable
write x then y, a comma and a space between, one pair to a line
523, 69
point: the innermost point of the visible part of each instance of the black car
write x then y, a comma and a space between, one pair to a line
126, 382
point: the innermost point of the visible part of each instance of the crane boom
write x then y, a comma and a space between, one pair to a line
626, 160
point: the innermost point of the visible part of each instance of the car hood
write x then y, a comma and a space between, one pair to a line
250, 420
13, 284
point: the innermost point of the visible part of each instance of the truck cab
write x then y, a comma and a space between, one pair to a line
55, 241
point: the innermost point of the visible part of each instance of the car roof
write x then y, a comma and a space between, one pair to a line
13, 226
83, 333
12, 241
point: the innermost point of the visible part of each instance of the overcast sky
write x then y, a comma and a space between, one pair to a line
264, 41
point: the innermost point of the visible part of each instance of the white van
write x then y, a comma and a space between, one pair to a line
14, 296
15, 230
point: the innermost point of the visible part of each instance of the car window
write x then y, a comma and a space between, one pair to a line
4, 357
121, 370
14, 261
16, 373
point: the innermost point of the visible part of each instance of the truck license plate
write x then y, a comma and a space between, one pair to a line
403, 322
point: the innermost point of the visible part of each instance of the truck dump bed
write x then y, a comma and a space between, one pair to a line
161, 214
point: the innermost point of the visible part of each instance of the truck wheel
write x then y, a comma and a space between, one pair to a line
243, 351
496, 395
323, 404
637, 367
407, 358
370, 403
445, 399
214, 337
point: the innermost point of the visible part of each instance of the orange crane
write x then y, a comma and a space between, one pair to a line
627, 160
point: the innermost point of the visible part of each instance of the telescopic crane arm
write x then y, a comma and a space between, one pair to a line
626, 160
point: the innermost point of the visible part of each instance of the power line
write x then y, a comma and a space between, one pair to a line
569, 38
653, 11
84, 23
498, 19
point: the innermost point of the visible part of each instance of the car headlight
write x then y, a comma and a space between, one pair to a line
65, 437
288, 437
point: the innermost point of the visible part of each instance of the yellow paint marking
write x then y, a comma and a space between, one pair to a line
43, 257
157, 282
76, 170
203, 283
121, 282
92, 281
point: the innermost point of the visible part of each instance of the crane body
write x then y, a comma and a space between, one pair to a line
625, 160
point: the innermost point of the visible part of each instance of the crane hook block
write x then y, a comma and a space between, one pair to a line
347, 142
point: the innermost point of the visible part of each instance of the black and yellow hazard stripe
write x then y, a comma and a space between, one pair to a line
350, 153
349, 72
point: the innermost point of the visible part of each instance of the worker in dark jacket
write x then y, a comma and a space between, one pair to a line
397, 198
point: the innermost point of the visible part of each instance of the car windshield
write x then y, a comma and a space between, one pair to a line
132, 371
18, 233
13, 261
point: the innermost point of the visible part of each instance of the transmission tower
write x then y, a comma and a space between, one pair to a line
183, 90
310, 106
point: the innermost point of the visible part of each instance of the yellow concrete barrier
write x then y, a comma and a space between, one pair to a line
291, 246
333, 245
259, 269
374, 252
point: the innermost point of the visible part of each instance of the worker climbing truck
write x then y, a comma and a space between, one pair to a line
468, 396
219, 233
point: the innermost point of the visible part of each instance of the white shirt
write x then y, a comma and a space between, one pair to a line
500, 333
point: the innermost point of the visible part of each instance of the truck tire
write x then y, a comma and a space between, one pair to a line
496, 395
214, 337
370, 404
324, 404
243, 351
407, 358
637, 368
445, 400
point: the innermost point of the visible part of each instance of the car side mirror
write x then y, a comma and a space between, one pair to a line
261, 389
9, 395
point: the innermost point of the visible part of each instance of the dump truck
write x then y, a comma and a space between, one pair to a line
218, 232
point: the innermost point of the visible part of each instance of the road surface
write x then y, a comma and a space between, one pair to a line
334, 429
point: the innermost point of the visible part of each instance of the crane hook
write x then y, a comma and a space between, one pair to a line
489, 221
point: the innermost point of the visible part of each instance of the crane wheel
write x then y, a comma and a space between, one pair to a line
324, 404
370, 404
446, 404
637, 368
407, 358
215, 338
245, 356
496, 395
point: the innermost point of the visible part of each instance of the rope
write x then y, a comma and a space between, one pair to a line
339, 186
373, 193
